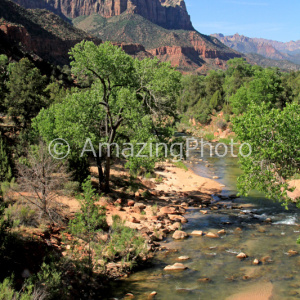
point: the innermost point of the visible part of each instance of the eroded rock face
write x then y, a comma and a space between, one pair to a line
171, 14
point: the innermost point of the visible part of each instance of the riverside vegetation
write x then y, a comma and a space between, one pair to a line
117, 99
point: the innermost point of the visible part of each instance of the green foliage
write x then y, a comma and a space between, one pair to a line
221, 124
129, 100
125, 243
274, 139
71, 188
215, 100
209, 136
49, 280
7, 292
266, 86
20, 214
86, 226
91, 218
181, 165
3, 80
25, 95
6, 165
5, 224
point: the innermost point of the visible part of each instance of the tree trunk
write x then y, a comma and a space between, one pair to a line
107, 174
100, 172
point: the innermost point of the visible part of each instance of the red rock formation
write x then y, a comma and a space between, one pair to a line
171, 14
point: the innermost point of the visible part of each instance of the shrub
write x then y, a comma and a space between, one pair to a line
227, 117
71, 188
21, 215
221, 124
181, 165
125, 243
7, 292
209, 137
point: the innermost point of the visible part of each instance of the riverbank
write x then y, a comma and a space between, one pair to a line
155, 206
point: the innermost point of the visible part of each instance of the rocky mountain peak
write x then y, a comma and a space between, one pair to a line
170, 14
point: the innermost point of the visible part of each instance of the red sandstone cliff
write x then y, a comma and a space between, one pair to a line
171, 14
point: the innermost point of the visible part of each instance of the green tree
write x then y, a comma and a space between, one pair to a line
25, 96
3, 81
87, 225
275, 157
216, 100
266, 86
128, 99
6, 164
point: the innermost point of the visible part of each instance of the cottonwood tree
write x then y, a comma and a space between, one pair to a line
129, 100
275, 157
40, 178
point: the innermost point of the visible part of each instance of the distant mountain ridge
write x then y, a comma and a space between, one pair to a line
268, 48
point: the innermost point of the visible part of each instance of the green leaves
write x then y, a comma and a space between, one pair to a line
274, 139
25, 96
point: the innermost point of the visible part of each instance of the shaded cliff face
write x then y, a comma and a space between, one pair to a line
171, 14
40, 32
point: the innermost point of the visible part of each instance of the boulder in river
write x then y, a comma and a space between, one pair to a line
292, 252
175, 267
179, 235
212, 235
183, 258
197, 232
242, 255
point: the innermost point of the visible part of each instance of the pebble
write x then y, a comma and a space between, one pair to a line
183, 257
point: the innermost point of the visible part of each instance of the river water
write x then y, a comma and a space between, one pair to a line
216, 258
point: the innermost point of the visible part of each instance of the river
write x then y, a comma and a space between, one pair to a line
230, 277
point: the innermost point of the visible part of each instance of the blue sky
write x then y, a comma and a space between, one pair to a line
271, 19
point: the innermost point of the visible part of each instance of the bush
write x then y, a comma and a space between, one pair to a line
181, 165
21, 215
209, 137
125, 244
7, 292
221, 124
227, 117
71, 188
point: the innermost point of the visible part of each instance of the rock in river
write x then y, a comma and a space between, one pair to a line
175, 267
179, 235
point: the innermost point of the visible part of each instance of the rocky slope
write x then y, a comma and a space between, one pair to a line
162, 27
37, 32
187, 49
269, 49
171, 14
